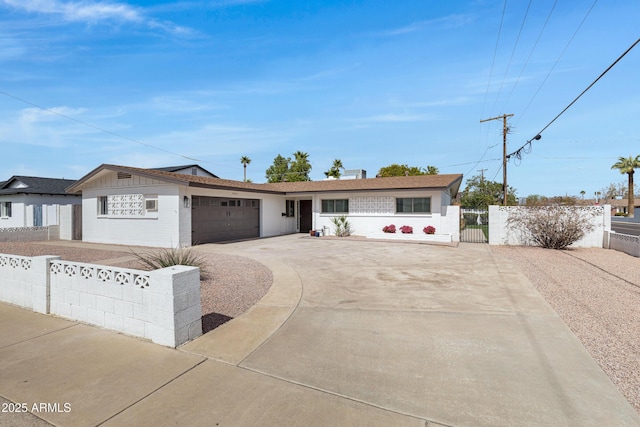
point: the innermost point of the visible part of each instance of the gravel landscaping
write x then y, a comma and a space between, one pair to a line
233, 285
597, 294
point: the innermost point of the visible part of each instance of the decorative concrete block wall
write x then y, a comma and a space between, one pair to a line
162, 305
624, 243
23, 281
501, 234
29, 234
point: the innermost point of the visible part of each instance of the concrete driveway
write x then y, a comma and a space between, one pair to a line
351, 333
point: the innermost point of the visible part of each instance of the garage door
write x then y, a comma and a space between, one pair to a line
216, 219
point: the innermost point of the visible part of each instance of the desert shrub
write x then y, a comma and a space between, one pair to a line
342, 226
389, 228
429, 229
406, 229
552, 227
155, 260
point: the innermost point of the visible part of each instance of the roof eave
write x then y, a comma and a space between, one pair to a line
77, 186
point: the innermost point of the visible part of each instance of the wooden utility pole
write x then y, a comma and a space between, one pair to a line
504, 152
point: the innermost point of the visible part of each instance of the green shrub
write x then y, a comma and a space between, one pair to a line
342, 226
155, 260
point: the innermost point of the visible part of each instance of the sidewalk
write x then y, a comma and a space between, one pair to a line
414, 335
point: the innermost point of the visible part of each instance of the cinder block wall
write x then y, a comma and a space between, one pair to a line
501, 234
162, 305
23, 281
625, 243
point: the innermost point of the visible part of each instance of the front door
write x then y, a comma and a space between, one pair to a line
306, 216
37, 215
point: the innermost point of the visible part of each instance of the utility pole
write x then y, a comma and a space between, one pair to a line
482, 175
504, 153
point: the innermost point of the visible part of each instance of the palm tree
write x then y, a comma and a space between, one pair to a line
582, 193
628, 166
300, 167
245, 161
334, 171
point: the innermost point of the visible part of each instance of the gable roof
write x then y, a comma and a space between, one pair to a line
448, 182
35, 185
179, 168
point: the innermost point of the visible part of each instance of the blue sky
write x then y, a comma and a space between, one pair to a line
370, 82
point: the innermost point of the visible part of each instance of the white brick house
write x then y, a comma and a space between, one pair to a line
135, 206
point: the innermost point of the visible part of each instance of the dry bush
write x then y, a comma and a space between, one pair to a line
552, 227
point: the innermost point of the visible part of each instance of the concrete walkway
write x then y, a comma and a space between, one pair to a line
351, 333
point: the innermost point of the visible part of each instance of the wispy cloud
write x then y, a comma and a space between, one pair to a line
94, 13
35, 126
446, 22
397, 118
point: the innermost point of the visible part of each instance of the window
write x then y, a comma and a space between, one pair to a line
5, 210
103, 205
290, 208
413, 205
151, 204
335, 206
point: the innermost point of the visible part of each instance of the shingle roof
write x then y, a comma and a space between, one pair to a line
449, 182
178, 168
36, 185
445, 181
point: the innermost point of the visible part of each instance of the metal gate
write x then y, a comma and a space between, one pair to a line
474, 225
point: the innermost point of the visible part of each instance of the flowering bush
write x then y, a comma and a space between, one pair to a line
389, 228
429, 229
406, 229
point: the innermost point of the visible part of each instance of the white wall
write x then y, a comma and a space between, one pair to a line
500, 234
382, 212
159, 229
161, 305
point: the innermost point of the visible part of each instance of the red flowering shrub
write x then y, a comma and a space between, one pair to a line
429, 229
389, 228
406, 229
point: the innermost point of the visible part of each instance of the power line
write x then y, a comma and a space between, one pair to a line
98, 128
493, 61
513, 51
544, 26
527, 145
557, 61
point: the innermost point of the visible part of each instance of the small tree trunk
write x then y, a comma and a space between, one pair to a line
631, 196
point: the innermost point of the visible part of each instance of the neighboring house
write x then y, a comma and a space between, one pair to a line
151, 207
27, 201
187, 170
622, 205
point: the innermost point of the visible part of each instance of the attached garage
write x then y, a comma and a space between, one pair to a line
217, 219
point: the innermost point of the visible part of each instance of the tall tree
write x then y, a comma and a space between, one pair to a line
334, 171
279, 170
628, 165
480, 193
299, 167
402, 170
245, 161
